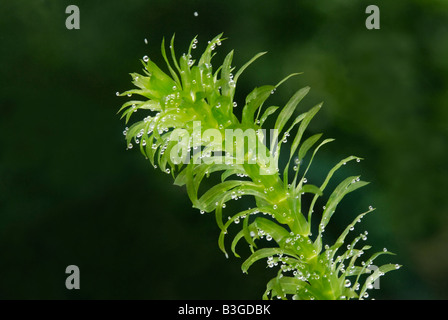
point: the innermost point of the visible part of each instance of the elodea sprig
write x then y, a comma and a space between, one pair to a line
190, 131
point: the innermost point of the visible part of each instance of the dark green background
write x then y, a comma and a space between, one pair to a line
71, 194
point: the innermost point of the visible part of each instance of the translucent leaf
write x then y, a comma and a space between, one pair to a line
264, 253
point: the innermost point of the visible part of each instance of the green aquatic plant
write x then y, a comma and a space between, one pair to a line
189, 110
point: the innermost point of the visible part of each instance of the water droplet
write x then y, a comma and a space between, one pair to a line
384, 249
235, 104
146, 58
202, 211
275, 206
130, 146
268, 237
347, 283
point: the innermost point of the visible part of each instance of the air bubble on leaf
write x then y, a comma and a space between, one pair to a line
117, 93
130, 146
145, 58
347, 283
370, 208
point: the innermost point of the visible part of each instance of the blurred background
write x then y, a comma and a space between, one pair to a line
70, 193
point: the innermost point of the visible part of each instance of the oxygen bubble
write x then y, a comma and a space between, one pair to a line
146, 41
146, 58
347, 283
370, 208
358, 160
195, 13
117, 93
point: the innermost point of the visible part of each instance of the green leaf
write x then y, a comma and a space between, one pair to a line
267, 113
289, 108
255, 100
340, 191
241, 70
376, 274
264, 253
